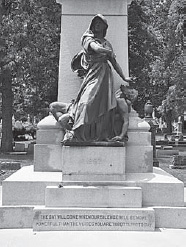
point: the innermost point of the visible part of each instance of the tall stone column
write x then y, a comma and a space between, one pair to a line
76, 17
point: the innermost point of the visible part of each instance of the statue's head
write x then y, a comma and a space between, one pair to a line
99, 18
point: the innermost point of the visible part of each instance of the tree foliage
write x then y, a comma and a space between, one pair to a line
31, 31
158, 27
29, 54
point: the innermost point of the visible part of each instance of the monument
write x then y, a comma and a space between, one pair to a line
113, 187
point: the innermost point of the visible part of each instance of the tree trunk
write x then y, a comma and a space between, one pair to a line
169, 122
7, 105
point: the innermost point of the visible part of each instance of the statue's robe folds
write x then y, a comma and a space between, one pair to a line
96, 103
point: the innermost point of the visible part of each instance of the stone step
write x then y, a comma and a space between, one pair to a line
26, 187
21, 217
16, 217
94, 196
170, 217
91, 219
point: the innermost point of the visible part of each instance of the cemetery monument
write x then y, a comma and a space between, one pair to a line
102, 187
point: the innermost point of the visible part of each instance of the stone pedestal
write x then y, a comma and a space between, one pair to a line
139, 152
47, 150
88, 163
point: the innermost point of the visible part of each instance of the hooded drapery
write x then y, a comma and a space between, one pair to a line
96, 102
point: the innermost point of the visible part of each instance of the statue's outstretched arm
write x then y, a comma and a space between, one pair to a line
119, 70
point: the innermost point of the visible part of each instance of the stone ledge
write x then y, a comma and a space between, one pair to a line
16, 217
94, 144
93, 196
170, 217
91, 219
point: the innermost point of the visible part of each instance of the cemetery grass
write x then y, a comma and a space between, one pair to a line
166, 162
10, 160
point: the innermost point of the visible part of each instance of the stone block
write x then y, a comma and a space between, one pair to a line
139, 159
158, 188
139, 138
19, 147
26, 187
105, 6
88, 219
49, 136
16, 217
165, 153
30, 149
47, 157
93, 163
95, 197
10, 165
170, 217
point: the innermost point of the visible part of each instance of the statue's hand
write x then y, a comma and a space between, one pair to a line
120, 138
117, 139
129, 79
69, 135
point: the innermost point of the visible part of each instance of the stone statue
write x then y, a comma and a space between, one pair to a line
98, 113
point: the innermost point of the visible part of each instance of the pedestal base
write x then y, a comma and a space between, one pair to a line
94, 196
91, 219
93, 163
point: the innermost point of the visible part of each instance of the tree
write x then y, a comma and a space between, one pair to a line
30, 32
162, 60
6, 89
143, 47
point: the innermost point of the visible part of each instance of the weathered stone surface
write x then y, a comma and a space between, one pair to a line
139, 159
92, 196
93, 219
170, 217
159, 188
93, 161
26, 187
49, 136
47, 157
19, 147
16, 217
139, 138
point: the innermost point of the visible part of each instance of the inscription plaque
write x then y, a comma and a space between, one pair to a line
94, 220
